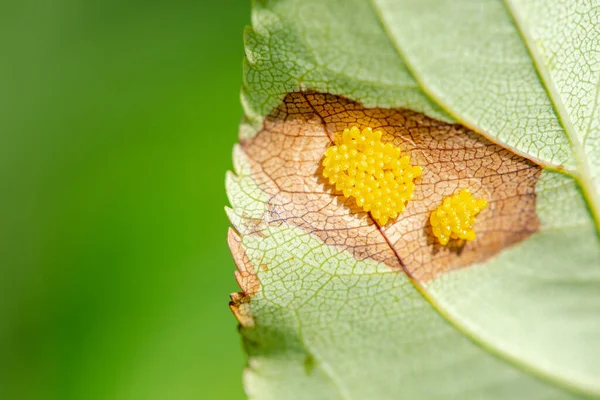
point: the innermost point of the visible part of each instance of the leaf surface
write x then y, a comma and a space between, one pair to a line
336, 306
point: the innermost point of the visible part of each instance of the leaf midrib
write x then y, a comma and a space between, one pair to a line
580, 175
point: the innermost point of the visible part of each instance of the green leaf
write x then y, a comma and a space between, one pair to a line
335, 306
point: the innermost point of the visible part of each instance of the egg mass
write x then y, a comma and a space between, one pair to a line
377, 175
455, 217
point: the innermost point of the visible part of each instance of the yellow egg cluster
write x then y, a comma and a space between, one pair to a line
377, 175
455, 217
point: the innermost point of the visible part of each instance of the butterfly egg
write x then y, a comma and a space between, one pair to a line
455, 217
377, 175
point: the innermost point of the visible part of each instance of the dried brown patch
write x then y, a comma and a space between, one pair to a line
286, 162
246, 279
240, 306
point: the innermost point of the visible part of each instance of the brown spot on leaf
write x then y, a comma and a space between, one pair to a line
246, 279
240, 306
286, 163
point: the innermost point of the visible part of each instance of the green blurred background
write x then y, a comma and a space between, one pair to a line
117, 121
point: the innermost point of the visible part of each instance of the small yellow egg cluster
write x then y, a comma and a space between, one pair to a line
377, 175
455, 217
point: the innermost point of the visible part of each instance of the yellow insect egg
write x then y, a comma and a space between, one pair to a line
377, 175
455, 217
